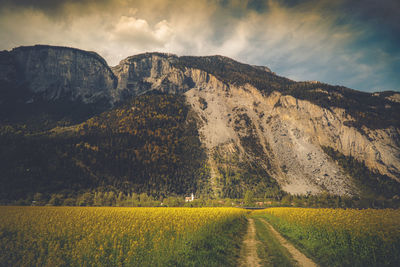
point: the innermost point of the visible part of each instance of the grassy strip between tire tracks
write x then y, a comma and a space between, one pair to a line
271, 252
207, 248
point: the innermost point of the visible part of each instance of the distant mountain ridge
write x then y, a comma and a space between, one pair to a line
259, 131
51, 73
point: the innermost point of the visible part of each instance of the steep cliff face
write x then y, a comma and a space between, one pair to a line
287, 135
266, 135
56, 72
278, 133
146, 72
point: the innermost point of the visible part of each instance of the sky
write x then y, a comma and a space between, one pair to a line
355, 43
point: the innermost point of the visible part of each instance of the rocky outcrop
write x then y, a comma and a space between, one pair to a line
146, 72
263, 68
55, 72
394, 98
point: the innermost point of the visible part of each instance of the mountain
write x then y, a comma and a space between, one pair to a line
163, 124
55, 72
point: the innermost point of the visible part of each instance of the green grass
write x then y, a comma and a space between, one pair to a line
271, 252
338, 248
206, 248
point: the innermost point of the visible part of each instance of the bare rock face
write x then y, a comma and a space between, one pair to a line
284, 148
394, 98
56, 72
289, 134
146, 72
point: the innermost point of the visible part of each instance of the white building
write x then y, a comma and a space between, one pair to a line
189, 199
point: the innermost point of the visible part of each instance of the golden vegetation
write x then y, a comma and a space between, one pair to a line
72, 236
383, 223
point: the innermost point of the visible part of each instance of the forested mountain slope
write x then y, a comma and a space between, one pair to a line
163, 124
149, 144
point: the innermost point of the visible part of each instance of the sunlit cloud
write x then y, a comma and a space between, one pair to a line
138, 33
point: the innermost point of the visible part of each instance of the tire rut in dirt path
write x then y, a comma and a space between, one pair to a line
301, 259
248, 253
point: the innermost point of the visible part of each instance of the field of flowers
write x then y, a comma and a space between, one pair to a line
338, 237
83, 236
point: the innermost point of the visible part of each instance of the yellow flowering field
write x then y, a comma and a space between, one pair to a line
88, 236
341, 237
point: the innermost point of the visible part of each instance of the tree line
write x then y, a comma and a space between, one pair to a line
111, 197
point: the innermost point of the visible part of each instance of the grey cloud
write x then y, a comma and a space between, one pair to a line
61, 11
304, 40
47, 5
376, 11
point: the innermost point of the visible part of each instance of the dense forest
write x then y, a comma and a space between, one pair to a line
149, 145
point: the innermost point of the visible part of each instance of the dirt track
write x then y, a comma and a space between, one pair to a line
248, 254
301, 259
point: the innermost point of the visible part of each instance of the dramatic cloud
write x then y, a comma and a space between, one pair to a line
352, 43
137, 32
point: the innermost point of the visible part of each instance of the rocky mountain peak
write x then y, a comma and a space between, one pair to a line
149, 71
46, 48
167, 56
172, 74
51, 73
